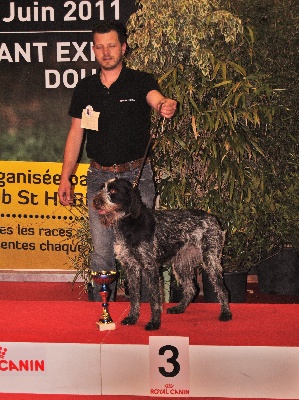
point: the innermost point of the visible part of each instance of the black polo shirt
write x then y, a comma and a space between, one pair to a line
124, 122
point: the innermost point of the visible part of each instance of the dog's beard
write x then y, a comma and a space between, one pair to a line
111, 216
108, 219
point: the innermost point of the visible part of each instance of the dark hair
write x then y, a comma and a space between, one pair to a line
111, 25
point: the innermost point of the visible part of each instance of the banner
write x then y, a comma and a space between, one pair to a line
45, 49
37, 232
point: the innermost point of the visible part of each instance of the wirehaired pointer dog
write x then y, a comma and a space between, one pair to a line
146, 240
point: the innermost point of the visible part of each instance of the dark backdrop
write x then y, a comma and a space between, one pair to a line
44, 50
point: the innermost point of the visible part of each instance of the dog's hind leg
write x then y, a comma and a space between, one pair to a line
185, 275
134, 283
212, 245
214, 271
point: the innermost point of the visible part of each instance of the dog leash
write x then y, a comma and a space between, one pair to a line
137, 179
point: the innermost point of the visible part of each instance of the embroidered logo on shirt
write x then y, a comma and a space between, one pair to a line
126, 100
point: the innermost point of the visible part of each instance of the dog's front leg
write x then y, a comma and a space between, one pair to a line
134, 283
153, 282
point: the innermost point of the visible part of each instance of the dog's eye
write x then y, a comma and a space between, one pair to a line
112, 191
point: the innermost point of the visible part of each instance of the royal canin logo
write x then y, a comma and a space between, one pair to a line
19, 365
169, 389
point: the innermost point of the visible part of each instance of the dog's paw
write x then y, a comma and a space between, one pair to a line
174, 310
225, 316
152, 326
129, 321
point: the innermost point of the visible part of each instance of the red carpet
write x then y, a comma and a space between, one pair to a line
71, 319
75, 322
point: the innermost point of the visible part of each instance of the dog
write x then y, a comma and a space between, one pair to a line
145, 240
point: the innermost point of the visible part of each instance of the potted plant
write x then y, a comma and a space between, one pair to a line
275, 25
211, 155
279, 273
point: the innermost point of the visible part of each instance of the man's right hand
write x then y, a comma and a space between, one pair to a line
65, 193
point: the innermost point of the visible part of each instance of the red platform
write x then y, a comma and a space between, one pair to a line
274, 325
75, 322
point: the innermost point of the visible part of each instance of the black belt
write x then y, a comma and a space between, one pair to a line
119, 168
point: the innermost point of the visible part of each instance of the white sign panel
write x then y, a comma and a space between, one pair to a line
58, 368
114, 369
169, 366
215, 371
244, 372
125, 369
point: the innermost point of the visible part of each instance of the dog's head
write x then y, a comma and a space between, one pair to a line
116, 199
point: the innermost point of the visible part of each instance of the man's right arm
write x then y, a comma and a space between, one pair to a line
71, 154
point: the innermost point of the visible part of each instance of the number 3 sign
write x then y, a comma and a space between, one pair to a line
169, 366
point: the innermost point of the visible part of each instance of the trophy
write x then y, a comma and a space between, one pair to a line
104, 278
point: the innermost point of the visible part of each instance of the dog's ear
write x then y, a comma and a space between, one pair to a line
136, 203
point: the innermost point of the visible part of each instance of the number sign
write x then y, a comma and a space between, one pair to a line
169, 366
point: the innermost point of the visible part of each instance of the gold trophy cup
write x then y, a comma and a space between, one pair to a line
104, 278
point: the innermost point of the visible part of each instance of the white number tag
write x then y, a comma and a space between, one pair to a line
169, 366
90, 119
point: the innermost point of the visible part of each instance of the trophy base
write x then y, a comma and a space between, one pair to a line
106, 327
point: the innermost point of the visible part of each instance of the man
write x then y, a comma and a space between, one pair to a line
113, 110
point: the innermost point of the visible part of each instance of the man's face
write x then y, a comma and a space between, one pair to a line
108, 50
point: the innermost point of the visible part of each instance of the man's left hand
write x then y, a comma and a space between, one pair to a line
167, 107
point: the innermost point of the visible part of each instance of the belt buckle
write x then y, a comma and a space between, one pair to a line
115, 168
